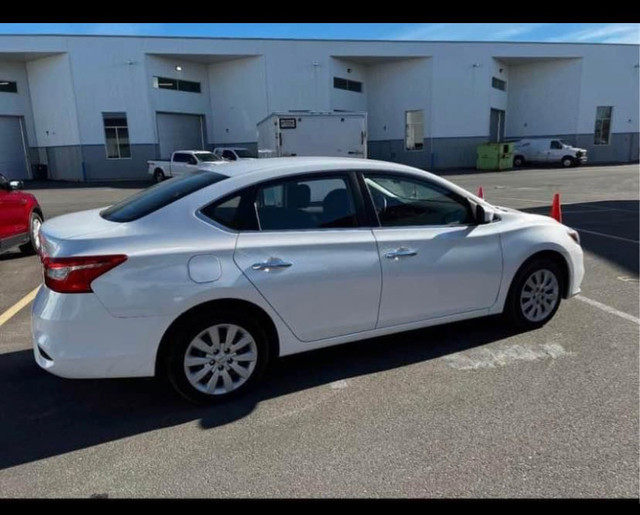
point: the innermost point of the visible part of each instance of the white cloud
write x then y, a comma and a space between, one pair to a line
611, 33
466, 31
123, 29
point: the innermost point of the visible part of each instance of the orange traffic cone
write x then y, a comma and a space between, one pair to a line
480, 193
556, 210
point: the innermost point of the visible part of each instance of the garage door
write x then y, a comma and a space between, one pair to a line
13, 161
179, 132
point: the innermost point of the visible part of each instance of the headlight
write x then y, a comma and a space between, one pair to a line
574, 235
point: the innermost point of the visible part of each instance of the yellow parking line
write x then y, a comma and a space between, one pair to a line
6, 316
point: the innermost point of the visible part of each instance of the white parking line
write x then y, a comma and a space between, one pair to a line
608, 309
606, 235
9, 313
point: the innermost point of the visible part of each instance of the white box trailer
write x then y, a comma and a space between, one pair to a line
313, 134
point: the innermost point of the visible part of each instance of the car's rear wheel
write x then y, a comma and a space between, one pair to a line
217, 357
158, 176
33, 246
518, 161
567, 161
535, 294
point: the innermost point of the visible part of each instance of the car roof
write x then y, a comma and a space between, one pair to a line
265, 168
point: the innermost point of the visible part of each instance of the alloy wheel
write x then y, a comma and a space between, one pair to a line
220, 359
539, 296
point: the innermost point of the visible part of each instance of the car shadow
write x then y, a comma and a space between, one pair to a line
43, 416
12, 254
615, 218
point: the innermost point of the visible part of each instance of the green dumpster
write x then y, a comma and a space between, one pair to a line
495, 156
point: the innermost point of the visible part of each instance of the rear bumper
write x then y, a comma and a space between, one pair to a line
74, 336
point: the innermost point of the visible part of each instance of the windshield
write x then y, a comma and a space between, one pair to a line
243, 152
565, 143
151, 199
205, 157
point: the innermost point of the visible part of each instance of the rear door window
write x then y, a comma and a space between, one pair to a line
306, 203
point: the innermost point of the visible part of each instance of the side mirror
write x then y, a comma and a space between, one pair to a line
484, 215
16, 185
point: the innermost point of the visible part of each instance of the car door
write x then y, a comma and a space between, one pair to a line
14, 219
313, 258
436, 261
183, 163
555, 151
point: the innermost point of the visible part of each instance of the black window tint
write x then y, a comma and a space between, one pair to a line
236, 212
158, 196
556, 145
190, 86
301, 203
401, 202
227, 154
8, 86
349, 85
180, 158
498, 83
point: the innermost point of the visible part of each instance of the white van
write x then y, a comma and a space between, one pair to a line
547, 150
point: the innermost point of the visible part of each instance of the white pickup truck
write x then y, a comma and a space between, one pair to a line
183, 161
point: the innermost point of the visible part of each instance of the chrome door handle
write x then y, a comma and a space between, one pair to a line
401, 252
271, 263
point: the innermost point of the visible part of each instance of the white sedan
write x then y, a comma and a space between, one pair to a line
208, 277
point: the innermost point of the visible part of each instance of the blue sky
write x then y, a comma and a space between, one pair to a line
561, 32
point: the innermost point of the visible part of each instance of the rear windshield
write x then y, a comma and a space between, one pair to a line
151, 199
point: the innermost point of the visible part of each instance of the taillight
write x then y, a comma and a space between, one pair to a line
75, 274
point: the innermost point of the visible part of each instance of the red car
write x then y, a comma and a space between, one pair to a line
20, 218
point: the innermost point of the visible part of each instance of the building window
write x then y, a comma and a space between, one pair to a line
349, 85
603, 125
414, 135
176, 84
498, 84
7, 86
116, 135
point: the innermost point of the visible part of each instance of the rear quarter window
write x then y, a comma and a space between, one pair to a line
161, 195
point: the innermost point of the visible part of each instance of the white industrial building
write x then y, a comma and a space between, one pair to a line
98, 107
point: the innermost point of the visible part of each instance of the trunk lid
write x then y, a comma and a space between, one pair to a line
68, 234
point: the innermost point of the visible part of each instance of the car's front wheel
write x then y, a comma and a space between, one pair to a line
567, 161
518, 161
33, 246
535, 294
217, 357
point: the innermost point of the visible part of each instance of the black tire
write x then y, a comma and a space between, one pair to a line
567, 161
158, 175
513, 310
188, 330
518, 161
31, 247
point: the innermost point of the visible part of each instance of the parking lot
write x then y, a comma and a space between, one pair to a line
471, 409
